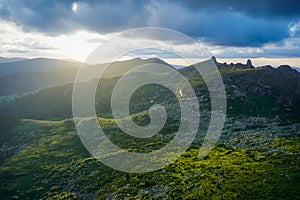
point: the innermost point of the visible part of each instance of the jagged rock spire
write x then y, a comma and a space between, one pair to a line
249, 63
214, 59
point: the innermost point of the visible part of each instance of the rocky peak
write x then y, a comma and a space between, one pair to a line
287, 70
284, 67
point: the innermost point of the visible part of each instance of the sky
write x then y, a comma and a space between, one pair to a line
227, 28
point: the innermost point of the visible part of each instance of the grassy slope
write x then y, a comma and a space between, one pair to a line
54, 164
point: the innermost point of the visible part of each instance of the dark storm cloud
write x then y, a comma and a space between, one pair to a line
56, 16
259, 8
229, 23
221, 28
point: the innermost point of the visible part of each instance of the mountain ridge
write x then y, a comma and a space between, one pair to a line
36, 64
279, 85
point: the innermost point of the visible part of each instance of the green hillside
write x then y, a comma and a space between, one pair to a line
256, 157
46, 160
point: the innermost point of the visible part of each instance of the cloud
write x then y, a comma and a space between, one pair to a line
226, 28
287, 48
57, 17
224, 22
294, 29
15, 42
263, 9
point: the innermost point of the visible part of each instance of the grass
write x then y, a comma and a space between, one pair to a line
55, 165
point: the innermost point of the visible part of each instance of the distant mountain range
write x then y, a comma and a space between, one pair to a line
19, 65
7, 60
28, 76
33, 65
